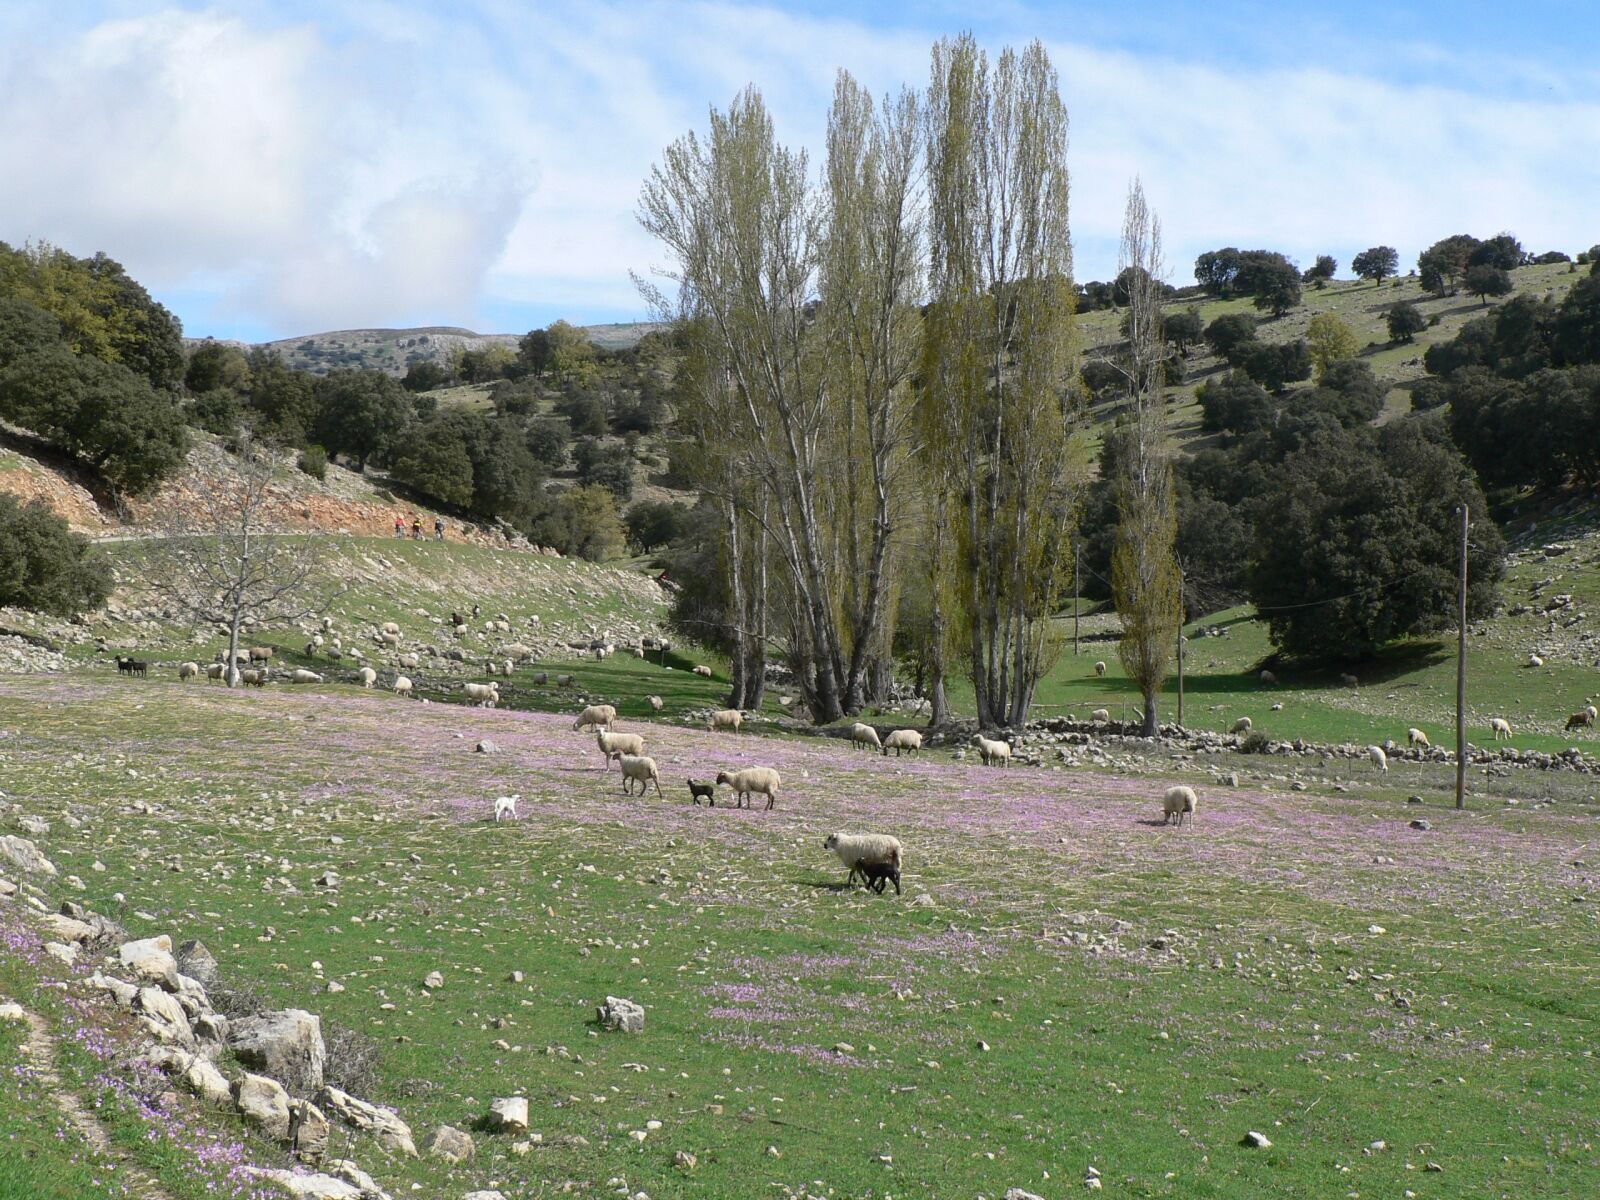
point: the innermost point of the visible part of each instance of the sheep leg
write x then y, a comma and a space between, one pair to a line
657, 782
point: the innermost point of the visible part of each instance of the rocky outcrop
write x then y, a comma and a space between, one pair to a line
388, 1129
286, 1045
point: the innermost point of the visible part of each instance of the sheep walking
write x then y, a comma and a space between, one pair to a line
402, 685
188, 671
726, 718
637, 768
1242, 725
749, 781
1378, 758
1179, 802
486, 694
700, 790
865, 736
656, 703
389, 627
859, 850
1415, 737
595, 714
260, 653
505, 807
908, 740
703, 671
1501, 728
1100, 668
615, 745
993, 753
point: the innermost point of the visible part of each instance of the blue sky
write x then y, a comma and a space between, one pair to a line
277, 168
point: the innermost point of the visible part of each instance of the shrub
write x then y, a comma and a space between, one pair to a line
46, 567
314, 462
1254, 742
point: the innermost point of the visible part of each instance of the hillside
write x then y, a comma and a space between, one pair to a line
393, 350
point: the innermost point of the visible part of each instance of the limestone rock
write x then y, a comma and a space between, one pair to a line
390, 1131
433, 980
1019, 1194
151, 958
486, 746
121, 991
286, 1045
66, 929
624, 1015
198, 963
509, 1115
163, 1016
309, 1187
487, 1194
1255, 1141
452, 1145
25, 856
263, 1103
308, 1131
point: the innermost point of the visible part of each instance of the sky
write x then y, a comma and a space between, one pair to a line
284, 167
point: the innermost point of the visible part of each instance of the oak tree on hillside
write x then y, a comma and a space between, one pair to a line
1405, 321
1376, 263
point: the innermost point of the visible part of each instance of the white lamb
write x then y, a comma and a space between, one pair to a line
1501, 727
857, 850
865, 736
656, 703
615, 745
1415, 737
402, 686
505, 807
993, 754
641, 769
1378, 758
747, 782
726, 718
703, 671
188, 670
1099, 668
368, 677
908, 740
1242, 725
1177, 803
595, 714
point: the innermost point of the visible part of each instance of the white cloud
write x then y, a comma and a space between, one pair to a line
384, 164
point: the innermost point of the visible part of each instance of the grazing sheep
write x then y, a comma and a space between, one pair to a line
908, 740
726, 718
187, 671
1242, 725
486, 694
1349, 681
311, 650
505, 806
402, 686
993, 754
1099, 668
215, 670
327, 623
699, 790
368, 677
865, 736
641, 769
1100, 716
410, 661
1583, 719
1415, 737
335, 653
703, 672
656, 703
390, 640
260, 653
301, 675
747, 782
855, 850
540, 678
1378, 758
615, 745
131, 666
1594, 713
596, 714
389, 627
1501, 727
1535, 661
1178, 802
566, 681
1268, 677
257, 678
518, 652
317, 640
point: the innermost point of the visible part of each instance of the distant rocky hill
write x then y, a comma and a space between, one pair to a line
392, 350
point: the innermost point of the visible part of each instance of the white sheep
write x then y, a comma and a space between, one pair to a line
641, 769
703, 671
389, 627
410, 661
368, 677
402, 686
1268, 677
506, 806
993, 754
1100, 716
507, 667
726, 718
1535, 661
487, 694
908, 740
1178, 802
327, 623
615, 745
317, 641
188, 670
1501, 727
747, 782
214, 670
856, 850
1378, 758
656, 703
1099, 668
595, 714
865, 736
1242, 725
1415, 737
301, 675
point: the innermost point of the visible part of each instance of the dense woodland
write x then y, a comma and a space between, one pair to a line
868, 420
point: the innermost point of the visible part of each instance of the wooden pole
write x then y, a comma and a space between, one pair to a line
1180, 674
1077, 575
1461, 676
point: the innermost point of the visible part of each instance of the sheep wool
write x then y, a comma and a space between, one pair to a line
726, 718
1177, 803
864, 736
402, 686
747, 782
595, 714
1378, 758
1099, 668
1501, 727
637, 768
1415, 737
615, 745
993, 753
188, 670
368, 677
856, 849
907, 740
1242, 725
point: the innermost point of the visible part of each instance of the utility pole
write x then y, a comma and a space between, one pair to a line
1461, 676
1077, 574
1180, 645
